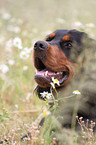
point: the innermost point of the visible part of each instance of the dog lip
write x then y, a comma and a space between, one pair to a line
42, 81
65, 76
39, 64
44, 77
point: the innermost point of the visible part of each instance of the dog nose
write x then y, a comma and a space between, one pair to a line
40, 45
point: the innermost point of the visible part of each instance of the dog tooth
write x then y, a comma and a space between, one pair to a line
46, 73
58, 73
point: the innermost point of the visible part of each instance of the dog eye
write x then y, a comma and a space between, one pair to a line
49, 39
67, 45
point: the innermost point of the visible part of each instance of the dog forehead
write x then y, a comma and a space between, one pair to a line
61, 32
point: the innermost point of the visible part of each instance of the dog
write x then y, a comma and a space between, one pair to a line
70, 57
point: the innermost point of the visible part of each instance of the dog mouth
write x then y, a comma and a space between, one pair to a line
44, 75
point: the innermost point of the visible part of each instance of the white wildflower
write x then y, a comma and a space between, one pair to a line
78, 23
17, 29
4, 68
16, 106
25, 67
27, 50
55, 81
46, 113
20, 47
6, 16
24, 55
46, 95
89, 25
28, 96
14, 142
76, 92
9, 44
49, 95
11, 62
14, 29
53, 85
17, 42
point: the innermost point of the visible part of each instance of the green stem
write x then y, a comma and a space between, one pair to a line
75, 110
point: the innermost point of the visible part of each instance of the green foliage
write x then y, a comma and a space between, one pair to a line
4, 115
32, 20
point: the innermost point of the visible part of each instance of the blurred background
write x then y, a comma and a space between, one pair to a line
22, 23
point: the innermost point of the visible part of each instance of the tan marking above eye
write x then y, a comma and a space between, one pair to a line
52, 35
66, 38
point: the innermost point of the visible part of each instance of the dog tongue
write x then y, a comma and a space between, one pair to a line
46, 73
44, 77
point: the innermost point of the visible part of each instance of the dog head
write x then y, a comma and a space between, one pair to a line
57, 57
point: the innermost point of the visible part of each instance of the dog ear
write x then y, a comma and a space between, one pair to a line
82, 39
77, 36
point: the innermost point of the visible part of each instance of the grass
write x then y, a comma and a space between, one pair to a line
31, 20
